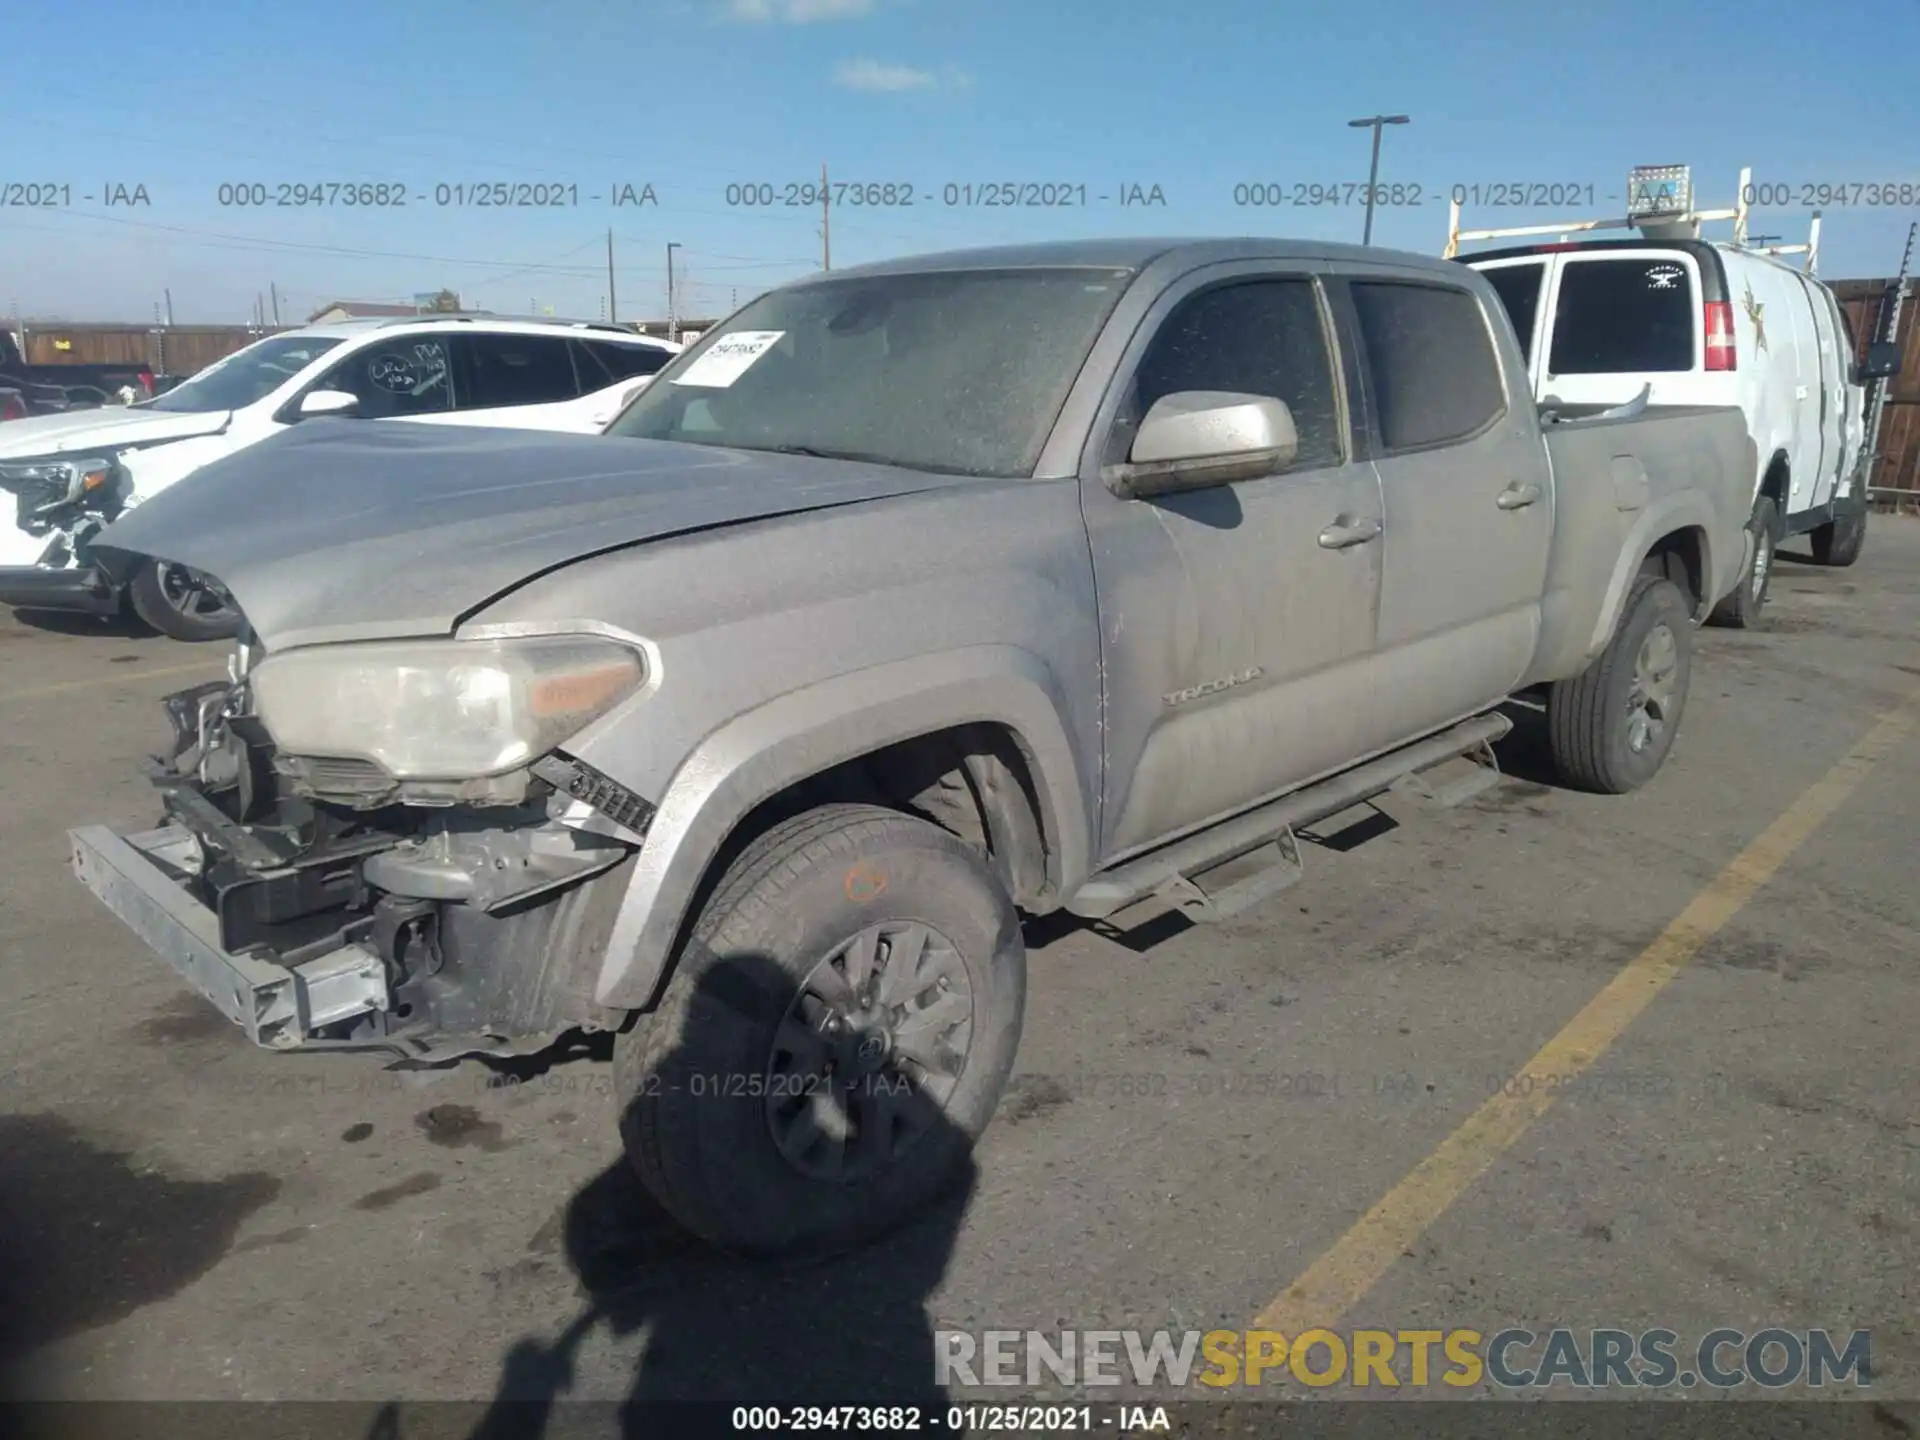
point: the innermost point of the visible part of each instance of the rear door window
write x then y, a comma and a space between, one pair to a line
503, 371
1518, 287
1431, 361
1623, 316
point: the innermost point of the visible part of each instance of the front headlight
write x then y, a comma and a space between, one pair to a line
442, 709
61, 480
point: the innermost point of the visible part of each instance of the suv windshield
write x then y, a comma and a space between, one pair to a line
960, 371
244, 376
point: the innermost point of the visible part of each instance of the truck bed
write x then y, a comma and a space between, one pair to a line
1619, 483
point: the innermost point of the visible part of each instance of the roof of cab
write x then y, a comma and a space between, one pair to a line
1136, 255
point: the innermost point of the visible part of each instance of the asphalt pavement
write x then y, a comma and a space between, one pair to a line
1544, 1059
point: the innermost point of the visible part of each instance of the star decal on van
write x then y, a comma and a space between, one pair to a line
1756, 312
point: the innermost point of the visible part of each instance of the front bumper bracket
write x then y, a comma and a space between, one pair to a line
278, 1006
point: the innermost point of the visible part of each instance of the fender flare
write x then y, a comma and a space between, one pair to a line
1686, 511
756, 755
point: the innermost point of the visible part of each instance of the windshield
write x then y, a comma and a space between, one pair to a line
244, 376
961, 372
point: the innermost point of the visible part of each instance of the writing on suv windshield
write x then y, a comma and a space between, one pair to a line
962, 372
244, 376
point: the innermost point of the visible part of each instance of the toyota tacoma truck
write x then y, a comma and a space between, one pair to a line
911, 600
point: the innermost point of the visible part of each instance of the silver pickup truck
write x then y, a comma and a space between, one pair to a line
912, 599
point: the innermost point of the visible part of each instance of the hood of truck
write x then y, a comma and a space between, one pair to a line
80, 432
339, 530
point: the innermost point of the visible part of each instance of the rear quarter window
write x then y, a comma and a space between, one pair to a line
1623, 317
624, 362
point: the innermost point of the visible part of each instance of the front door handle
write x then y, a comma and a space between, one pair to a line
1344, 532
1518, 497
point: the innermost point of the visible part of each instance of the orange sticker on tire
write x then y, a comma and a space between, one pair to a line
865, 883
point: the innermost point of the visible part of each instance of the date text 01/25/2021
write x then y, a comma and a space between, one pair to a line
954, 1420
967, 194
444, 195
1495, 194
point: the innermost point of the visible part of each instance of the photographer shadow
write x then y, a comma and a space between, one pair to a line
848, 1328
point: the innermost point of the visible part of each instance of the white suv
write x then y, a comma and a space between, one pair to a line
67, 472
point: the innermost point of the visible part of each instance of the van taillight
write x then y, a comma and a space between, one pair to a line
1720, 349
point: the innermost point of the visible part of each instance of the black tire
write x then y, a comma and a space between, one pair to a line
699, 1081
1591, 719
1745, 608
1838, 542
178, 603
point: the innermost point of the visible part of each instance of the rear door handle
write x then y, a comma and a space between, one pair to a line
1517, 497
1342, 533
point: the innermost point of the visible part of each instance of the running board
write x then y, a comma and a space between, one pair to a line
1476, 772
1169, 874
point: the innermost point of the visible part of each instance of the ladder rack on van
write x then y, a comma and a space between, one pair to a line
1652, 191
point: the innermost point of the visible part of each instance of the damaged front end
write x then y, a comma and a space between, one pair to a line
324, 902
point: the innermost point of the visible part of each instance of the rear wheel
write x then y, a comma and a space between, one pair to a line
1838, 542
182, 603
837, 1032
1744, 608
1610, 727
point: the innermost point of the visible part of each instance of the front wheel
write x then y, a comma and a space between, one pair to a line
1610, 727
838, 1030
1838, 542
182, 603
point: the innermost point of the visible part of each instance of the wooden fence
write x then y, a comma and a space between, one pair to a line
166, 349
1896, 473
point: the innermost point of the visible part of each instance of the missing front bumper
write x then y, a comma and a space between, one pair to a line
279, 1007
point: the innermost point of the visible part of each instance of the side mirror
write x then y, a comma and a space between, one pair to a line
327, 402
1883, 360
1198, 439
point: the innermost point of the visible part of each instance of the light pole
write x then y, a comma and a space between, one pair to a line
1374, 123
673, 322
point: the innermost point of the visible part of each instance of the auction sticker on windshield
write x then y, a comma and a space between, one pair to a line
729, 358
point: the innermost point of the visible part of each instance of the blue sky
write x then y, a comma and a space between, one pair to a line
694, 96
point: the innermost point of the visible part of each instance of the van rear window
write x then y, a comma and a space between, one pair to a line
1623, 317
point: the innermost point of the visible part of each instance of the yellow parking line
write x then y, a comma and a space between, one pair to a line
124, 677
1337, 1281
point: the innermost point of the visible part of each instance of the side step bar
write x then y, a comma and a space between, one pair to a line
1168, 874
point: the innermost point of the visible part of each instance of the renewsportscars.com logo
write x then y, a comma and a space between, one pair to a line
1513, 1359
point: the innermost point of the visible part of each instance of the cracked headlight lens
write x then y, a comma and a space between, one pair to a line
442, 709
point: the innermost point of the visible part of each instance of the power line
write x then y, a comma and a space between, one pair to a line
227, 240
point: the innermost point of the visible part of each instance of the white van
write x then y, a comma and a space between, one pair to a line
1706, 323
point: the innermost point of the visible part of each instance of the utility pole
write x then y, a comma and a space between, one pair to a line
274, 287
673, 313
169, 294
613, 311
1374, 122
1886, 326
826, 221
